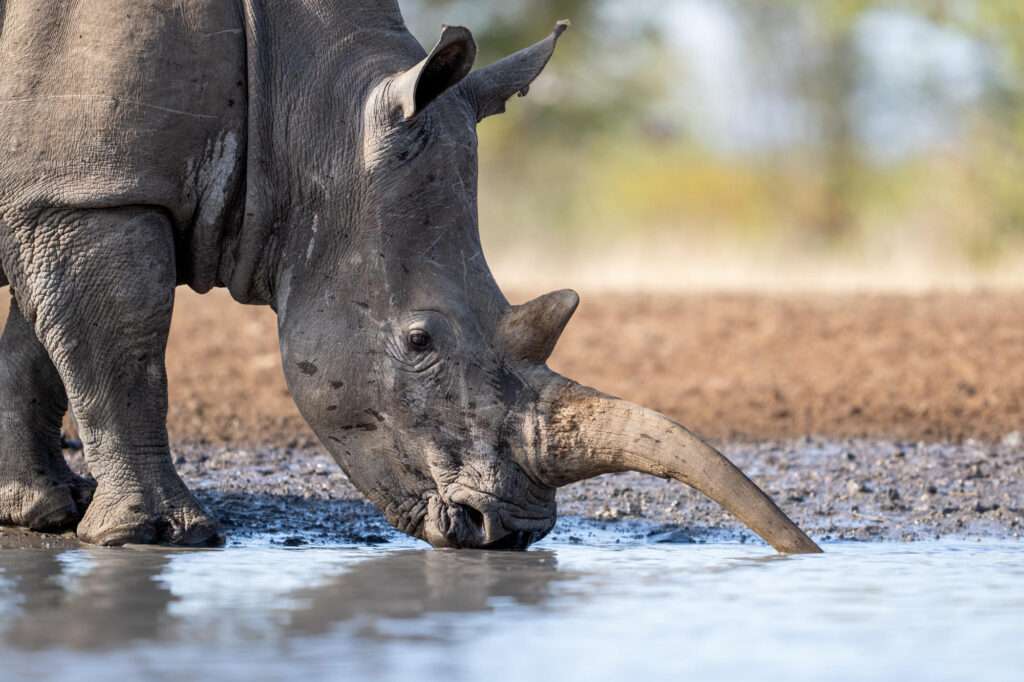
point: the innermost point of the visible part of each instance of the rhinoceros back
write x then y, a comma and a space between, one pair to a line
108, 103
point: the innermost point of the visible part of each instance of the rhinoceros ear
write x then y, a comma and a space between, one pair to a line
489, 88
531, 330
448, 63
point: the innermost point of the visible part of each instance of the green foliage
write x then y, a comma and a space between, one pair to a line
596, 82
589, 153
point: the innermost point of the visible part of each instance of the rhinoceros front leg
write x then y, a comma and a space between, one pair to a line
99, 288
37, 489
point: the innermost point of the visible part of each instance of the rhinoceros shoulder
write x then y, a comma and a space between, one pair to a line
126, 102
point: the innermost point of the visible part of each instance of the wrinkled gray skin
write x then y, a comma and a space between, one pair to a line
312, 157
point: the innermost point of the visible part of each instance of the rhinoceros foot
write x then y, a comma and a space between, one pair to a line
162, 514
37, 489
40, 503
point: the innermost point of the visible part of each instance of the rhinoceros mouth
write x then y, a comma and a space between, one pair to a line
513, 542
469, 519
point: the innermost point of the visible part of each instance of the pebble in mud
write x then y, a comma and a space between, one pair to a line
298, 496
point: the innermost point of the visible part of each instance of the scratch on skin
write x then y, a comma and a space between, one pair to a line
116, 100
433, 244
219, 33
312, 239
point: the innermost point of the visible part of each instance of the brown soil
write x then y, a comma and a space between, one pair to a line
937, 367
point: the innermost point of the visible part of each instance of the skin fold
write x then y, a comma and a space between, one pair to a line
313, 157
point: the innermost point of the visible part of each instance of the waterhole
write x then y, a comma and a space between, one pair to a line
943, 610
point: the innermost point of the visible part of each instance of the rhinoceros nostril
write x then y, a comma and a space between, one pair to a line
474, 516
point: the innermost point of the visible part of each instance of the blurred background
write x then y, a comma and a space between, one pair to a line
811, 214
724, 144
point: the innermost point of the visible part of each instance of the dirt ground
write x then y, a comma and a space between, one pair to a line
937, 367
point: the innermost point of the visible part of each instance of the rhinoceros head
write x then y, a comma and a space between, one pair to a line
427, 386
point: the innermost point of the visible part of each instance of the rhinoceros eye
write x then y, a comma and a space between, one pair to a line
419, 340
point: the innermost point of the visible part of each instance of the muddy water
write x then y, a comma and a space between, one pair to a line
605, 610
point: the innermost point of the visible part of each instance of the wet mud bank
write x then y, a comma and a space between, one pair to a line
834, 489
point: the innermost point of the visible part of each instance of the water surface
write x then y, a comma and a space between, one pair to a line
944, 610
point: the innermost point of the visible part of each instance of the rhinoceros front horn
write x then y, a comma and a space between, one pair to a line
577, 433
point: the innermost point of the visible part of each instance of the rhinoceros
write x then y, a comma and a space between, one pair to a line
309, 156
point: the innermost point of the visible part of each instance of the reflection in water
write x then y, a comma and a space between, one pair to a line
86, 599
944, 610
101, 599
409, 584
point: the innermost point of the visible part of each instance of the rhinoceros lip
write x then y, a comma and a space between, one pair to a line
515, 541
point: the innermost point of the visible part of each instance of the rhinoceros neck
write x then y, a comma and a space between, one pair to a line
310, 67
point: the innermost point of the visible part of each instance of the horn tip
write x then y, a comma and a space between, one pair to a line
796, 542
569, 298
450, 31
811, 547
561, 27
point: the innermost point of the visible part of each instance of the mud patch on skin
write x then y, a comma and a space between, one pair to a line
308, 368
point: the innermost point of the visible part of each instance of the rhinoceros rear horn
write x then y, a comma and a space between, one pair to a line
489, 88
447, 64
531, 330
